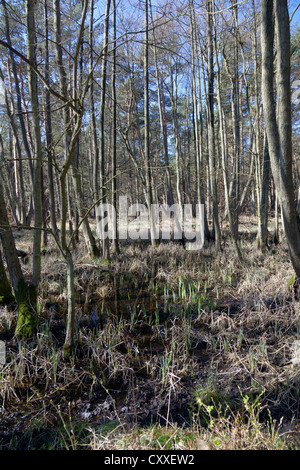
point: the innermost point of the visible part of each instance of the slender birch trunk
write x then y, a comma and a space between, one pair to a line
68, 120
48, 126
115, 241
224, 154
178, 151
101, 189
147, 124
37, 192
93, 127
162, 119
18, 92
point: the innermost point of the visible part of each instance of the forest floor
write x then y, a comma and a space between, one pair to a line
175, 349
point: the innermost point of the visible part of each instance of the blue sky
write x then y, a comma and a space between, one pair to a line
296, 18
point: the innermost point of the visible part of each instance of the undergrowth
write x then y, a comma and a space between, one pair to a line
174, 350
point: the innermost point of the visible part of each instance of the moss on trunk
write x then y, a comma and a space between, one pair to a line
26, 297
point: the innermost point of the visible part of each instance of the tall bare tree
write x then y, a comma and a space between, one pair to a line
37, 183
211, 127
100, 189
279, 124
146, 122
115, 241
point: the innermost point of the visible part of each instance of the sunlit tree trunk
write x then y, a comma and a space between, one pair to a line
88, 235
178, 149
18, 91
224, 154
197, 135
48, 126
37, 186
101, 189
93, 127
236, 125
162, 119
211, 127
147, 123
115, 241
279, 128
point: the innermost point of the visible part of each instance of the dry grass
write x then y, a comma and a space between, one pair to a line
200, 345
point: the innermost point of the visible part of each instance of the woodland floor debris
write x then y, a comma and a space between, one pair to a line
163, 338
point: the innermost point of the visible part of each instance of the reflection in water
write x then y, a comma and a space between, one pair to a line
136, 300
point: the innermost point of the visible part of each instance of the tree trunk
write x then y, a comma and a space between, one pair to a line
93, 128
25, 295
162, 119
48, 126
224, 157
6, 295
279, 131
18, 92
211, 134
262, 236
69, 339
115, 241
101, 190
147, 127
178, 152
37, 192
236, 126
68, 136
